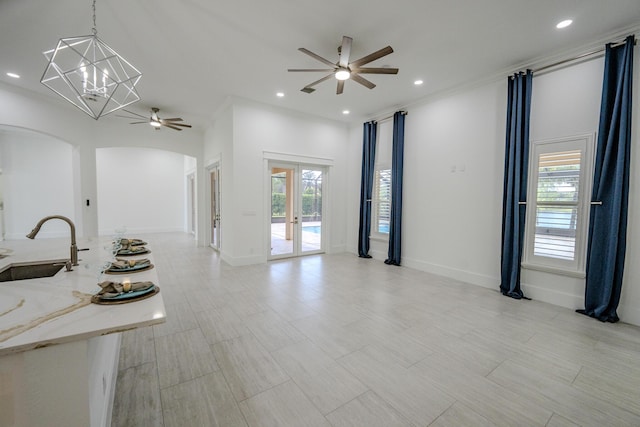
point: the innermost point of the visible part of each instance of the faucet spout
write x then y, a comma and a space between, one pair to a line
74, 247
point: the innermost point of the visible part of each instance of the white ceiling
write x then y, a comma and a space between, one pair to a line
195, 54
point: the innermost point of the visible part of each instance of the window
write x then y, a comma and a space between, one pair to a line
381, 196
381, 203
560, 174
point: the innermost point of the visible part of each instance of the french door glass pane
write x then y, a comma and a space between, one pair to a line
282, 211
311, 189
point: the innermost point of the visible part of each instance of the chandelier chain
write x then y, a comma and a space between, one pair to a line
94, 29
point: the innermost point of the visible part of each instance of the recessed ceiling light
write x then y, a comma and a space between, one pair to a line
14, 75
280, 94
564, 24
345, 112
418, 82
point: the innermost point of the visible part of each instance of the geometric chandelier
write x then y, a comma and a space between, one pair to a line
89, 74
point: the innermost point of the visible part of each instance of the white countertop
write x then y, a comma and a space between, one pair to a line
40, 312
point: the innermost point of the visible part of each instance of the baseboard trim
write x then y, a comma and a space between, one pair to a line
454, 273
242, 261
338, 249
552, 296
629, 315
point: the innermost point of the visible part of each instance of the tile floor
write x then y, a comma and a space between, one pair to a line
334, 340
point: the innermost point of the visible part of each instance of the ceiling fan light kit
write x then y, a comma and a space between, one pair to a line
344, 70
91, 75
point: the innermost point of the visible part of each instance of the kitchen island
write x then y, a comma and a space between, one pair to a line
58, 351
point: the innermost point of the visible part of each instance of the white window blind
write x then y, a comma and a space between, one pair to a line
557, 204
560, 174
382, 201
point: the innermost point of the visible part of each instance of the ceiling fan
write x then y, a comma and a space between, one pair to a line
155, 121
344, 70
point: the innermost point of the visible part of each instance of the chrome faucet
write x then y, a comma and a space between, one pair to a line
74, 248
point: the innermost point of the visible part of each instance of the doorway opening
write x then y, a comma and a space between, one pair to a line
296, 225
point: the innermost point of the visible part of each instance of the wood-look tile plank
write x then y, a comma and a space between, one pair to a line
205, 299
560, 421
219, 324
391, 338
183, 356
368, 410
204, 401
417, 400
476, 358
273, 331
570, 402
461, 415
494, 402
137, 347
180, 318
611, 386
289, 308
137, 397
246, 303
326, 383
334, 339
283, 405
247, 366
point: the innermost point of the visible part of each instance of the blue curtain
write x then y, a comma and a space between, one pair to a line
608, 222
397, 158
366, 187
515, 182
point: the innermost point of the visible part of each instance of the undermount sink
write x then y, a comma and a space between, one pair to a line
31, 270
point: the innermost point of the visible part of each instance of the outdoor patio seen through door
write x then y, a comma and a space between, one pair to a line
296, 226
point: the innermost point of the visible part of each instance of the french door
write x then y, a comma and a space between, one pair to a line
214, 177
296, 214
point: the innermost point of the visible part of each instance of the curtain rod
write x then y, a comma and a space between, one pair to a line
404, 113
584, 55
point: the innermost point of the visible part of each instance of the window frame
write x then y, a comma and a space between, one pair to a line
375, 203
576, 267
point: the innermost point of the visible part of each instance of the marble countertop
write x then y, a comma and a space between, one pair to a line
41, 312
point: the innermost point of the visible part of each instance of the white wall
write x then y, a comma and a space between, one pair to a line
454, 161
37, 181
256, 129
218, 150
140, 188
50, 116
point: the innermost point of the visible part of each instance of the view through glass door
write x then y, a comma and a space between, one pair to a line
296, 225
214, 176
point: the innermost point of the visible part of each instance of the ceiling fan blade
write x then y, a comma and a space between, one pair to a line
137, 123
171, 126
340, 88
135, 114
375, 70
327, 77
318, 57
175, 119
364, 82
345, 51
326, 70
178, 124
371, 57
